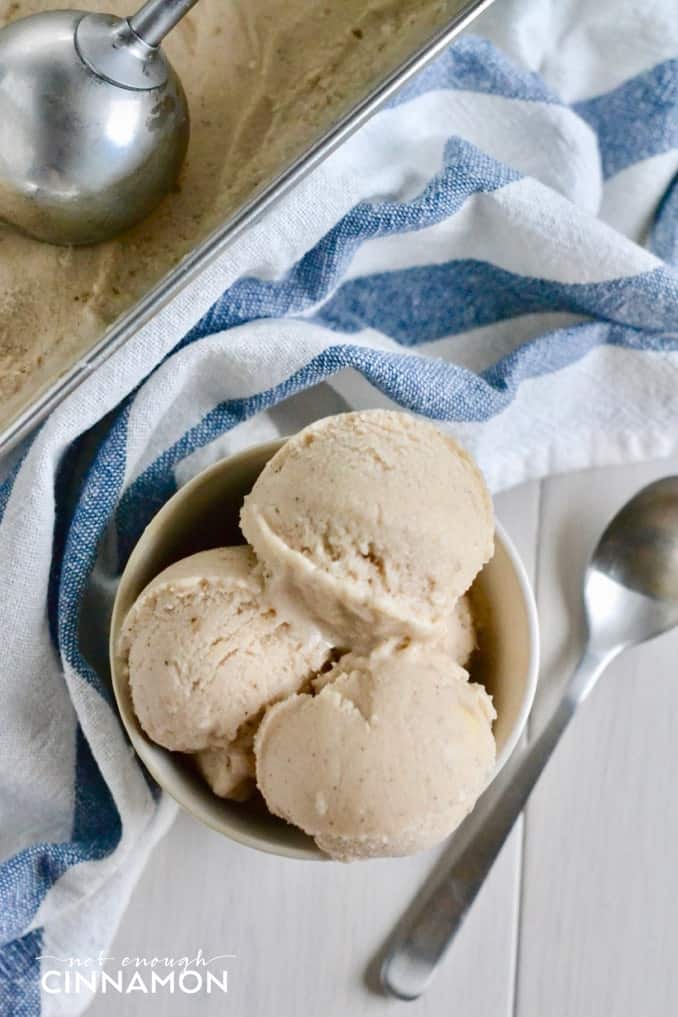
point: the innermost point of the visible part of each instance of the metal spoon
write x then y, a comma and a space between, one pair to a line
94, 122
630, 595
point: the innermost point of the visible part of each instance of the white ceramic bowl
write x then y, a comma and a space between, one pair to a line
204, 514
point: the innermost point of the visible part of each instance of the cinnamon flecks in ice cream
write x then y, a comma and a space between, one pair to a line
206, 655
231, 771
372, 524
326, 660
386, 759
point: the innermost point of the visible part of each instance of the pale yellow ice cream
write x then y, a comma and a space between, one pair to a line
458, 640
386, 759
205, 655
263, 79
230, 771
368, 529
372, 524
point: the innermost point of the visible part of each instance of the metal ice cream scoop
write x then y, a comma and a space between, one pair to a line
94, 122
630, 594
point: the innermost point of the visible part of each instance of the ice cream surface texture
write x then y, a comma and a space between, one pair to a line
323, 662
459, 637
204, 653
372, 524
385, 759
230, 771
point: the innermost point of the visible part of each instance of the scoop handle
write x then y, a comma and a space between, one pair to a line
158, 17
426, 931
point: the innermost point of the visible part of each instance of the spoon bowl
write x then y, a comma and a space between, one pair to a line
631, 585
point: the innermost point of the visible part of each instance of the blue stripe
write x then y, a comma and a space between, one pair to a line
96, 821
637, 120
146, 495
424, 385
26, 878
20, 976
466, 171
421, 304
556, 350
7, 485
101, 488
149, 492
473, 64
67, 489
664, 238
32, 873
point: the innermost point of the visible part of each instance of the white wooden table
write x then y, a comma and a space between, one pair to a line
580, 915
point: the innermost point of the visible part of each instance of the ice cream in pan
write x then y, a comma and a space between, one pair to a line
323, 664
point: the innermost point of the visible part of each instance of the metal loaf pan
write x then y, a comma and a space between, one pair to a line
195, 262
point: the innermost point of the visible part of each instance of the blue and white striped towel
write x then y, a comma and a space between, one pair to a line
494, 251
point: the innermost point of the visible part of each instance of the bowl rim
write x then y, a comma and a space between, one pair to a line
234, 831
532, 676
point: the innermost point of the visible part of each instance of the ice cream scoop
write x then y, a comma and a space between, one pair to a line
386, 758
205, 654
230, 771
94, 122
372, 524
458, 640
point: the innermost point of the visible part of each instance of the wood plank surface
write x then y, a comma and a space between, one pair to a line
599, 919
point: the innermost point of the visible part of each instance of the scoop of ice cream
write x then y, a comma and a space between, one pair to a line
458, 639
205, 654
230, 771
372, 524
386, 758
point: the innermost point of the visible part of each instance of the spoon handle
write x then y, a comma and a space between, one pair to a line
158, 17
425, 933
